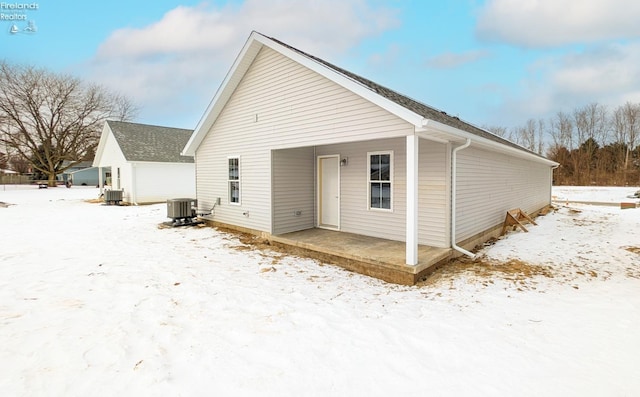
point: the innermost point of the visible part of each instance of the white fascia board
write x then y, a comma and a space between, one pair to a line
439, 127
424, 134
226, 89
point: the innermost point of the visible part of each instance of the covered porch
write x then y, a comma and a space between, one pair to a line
376, 257
412, 233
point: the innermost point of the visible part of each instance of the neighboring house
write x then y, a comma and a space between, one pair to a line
291, 142
89, 176
145, 161
82, 173
64, 175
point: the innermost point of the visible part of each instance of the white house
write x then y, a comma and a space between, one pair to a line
291, 142
145, 161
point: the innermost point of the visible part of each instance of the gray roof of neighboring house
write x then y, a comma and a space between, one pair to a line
81, 164
142, 142
411, 104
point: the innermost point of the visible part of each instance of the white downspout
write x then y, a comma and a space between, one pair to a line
553, 168
454, 180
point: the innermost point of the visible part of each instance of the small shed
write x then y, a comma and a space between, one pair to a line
145, 161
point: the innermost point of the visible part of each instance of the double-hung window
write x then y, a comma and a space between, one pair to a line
234, 180
380, 179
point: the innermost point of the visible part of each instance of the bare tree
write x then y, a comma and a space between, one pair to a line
530, 136
620, 129
562, 136
591, 125
4, 161
562, 131
54, 120
19, 165
496, 130
631, 115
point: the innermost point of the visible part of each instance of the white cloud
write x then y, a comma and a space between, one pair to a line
606, 74
177, 63
450, 60
601, 72
547, 23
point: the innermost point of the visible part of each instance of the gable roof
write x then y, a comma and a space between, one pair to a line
81, 164
143, 142
428, 120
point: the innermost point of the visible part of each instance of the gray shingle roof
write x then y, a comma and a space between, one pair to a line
411, 104
142, 142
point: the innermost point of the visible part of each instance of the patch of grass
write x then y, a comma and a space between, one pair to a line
485, 272
633, 272
635, 250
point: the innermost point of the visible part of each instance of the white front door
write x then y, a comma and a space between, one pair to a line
329, 192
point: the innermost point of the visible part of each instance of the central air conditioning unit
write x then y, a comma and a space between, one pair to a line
182, 211
113, 196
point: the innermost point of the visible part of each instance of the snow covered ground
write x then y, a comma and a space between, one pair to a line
595, 194
100, 301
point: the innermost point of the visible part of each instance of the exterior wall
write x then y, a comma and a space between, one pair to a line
491, 183
88, 176
293, 190
112, 154
112, 157
355, 217
434, 194
279, 104
157, 182
126, 181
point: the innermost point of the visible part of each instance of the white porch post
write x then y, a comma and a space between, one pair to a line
412, 200
100, 181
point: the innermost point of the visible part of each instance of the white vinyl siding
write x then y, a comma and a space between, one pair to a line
280, 104
112, 157
355, 215
157, 182
491, 183
233, 183
433, 194
293, 190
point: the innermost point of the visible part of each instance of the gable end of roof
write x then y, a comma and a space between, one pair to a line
409, 109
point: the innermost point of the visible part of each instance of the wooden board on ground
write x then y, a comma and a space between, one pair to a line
516, 218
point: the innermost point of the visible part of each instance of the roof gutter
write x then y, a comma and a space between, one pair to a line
454, 179
440, 127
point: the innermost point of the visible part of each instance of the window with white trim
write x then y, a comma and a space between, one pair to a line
234, 180
380, 179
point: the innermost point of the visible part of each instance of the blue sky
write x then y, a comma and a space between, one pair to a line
491, 62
